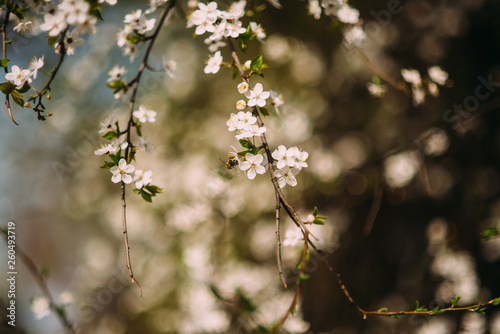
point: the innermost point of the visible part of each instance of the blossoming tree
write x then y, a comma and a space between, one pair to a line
328, 165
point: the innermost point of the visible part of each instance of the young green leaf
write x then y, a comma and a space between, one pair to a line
489, 233
6, 87
4, 62
454, 300
495, 301
146, 196
18, 98
108, 165
436, 310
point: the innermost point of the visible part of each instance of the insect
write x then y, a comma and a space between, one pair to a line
231, 163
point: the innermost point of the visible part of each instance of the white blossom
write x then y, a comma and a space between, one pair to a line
412, 76
292, 237
277, 100
22, 26
243, 87
257, 96
347, 14
72, 40
145, 114
376, 90
299, 157
438, 75
116, 73
354, 36
154, 4
283, 157
18, 76
286, 176
106, 124
241, 104
122, 172
40, 306
142, 178
54, 24
213, 63
34, 65
145, 145
260, 34
253, 165
314, 9
77, 11
106, 149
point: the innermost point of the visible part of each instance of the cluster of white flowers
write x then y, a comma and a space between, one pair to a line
20, 77
122, 173
67, 13
134, 30
221, 24
437, 76
289, 163
244, 124
354, 35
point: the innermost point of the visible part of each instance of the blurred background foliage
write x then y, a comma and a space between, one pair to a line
210, 230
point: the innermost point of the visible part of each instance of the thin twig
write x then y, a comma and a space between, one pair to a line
375, 70
278, 242
4, 53
42, 284
372, 215
293, 305
39, 108
424, 176
135, 82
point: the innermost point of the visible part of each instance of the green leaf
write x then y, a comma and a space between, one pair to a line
319, 220
117, 86
383, 309
110, 135
137, 191
4, 62
18, 98
108, 165
96, 11
495, 301
146, 196
264, 111
134, 38
26, 87
138, 129
419, 308
454, 300
52, 40
132, 156
257, 62
479, 309
242, 45
395, 316
6, 87
436, 310
489, 233
116, 157
246, 144
154, 189
235, 72
304, 276
315, 211
247, 305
